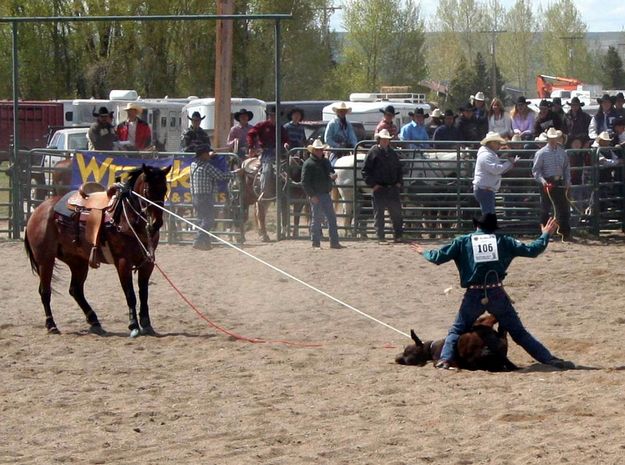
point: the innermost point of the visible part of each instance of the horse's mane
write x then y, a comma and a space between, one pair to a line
133, 176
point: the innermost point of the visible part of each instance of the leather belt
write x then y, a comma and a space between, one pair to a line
485, 286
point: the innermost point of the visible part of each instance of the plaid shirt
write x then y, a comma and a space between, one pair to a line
204, 175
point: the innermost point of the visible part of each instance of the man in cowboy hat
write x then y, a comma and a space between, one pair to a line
101, 134
552, 170
339, 133
317, 178
556, 107
436, 120
135, 132
619, 102
388, 122
602, 121
467, 124
482, 259
204, 176
447, 131
488, 170
382, 171
295, 133
480, 113
546, 119
195, 135
577, 122
415, 130
237, 138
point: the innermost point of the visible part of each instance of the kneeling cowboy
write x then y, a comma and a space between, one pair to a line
482, 259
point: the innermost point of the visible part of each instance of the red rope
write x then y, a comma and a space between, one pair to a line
225, 331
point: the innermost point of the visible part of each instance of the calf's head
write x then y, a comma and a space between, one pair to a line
415, 354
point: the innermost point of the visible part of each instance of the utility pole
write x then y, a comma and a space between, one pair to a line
569, 45
493, 49
325, 20
223, 73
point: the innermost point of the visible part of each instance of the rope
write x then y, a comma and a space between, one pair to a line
275, 268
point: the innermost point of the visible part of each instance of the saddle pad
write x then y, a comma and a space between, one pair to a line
251, 165
61, 206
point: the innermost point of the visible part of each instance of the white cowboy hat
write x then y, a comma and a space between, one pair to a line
492, 136
383, 134
133, 106
553, 133
341, 106
542, 137
316, 145
437, 113
479, 96
605, 135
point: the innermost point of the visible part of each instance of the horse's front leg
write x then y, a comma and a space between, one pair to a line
261, 213
144, 311
124, 271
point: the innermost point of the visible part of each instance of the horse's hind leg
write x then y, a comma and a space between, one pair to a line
144, 311
45, 292
80, 269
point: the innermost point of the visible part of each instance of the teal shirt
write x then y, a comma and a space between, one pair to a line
461, 252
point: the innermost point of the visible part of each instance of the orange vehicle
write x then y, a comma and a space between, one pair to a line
545, 84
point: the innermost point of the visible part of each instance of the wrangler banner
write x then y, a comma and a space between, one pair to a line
105, 168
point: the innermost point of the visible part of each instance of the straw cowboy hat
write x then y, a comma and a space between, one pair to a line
243, 111
542, 137
492, 136
605, 136
479, 96
133, 106
317, 145
341, 106
383, 134
553, 133
437, 113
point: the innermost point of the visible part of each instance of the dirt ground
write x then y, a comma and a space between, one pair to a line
196, 396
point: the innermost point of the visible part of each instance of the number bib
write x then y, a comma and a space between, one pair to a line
485, 248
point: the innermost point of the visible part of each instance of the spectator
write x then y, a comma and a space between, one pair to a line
436, 120
317, 178
602, 121
447, 131
101, 134
203, 178
523, 119
480, 114
556, 108
339, 133
195, 136
619, 100
467, 125
237, 138
546, 119
577, 122
134, 132
295, 133
488, 170
498, 120
382, 171
415, 130
387, 122
618, 139
552, 170
482, 274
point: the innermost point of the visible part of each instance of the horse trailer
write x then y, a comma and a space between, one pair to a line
206, 108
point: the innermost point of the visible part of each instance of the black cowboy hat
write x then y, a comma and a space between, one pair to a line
103, 111
556, 101
196, 114
418, 111
243, 111
466, 107
289, 115
575, 100
544, 103
487, 222
389, 109
521, 99
606, 98
202, 148
449, 112
620, 121
619, 96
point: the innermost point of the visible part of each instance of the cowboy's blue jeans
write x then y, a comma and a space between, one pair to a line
323, 208
486, 199
204, 205
500, 306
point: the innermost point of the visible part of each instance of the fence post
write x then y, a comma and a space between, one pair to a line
596, 213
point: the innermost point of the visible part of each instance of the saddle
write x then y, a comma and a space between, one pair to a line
251, 166
90, 203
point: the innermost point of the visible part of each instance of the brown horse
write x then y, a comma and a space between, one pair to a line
128, 241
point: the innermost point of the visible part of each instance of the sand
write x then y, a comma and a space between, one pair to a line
196, 396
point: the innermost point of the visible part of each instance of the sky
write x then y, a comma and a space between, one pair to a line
609, 17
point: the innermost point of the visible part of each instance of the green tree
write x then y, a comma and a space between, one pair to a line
612, 70
463, 84
518, 45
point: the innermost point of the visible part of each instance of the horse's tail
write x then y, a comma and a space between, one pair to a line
29, 251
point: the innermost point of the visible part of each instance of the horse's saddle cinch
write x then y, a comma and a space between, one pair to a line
251, 165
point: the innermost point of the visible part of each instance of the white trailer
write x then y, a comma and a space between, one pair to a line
206, 108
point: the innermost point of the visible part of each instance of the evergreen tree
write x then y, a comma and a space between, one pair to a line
613, 75
463, 84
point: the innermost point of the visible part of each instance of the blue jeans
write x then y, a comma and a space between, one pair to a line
388, 197
323, 208
204, 205
500, 306
486, 199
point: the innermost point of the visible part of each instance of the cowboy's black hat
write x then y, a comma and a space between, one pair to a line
449, 112
620, 121
289, 115
575, 100
243, 111
389, 109
487, 222
521, 99
606, 98
203, 148
196, 114
103, 111
466, 107
544, 103
418, 111
556, 101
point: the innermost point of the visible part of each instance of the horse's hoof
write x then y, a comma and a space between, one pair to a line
265, 238
97, 330
54, 330
134, 333
148, 331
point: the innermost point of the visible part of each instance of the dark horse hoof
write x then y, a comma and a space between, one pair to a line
148, 331
54, 330
97, 330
